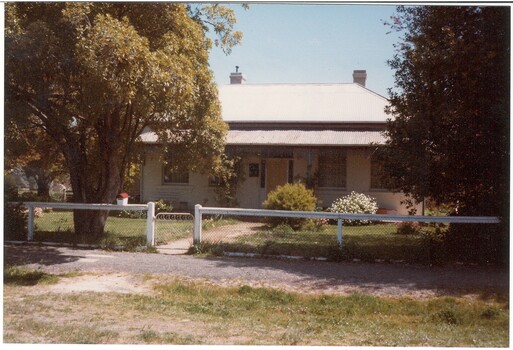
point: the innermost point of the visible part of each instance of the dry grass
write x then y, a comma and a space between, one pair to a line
184, 311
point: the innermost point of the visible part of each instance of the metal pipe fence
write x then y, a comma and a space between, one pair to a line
334, 236
126, 225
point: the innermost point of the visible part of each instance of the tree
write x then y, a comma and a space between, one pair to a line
28, 148
448, 139
92, 76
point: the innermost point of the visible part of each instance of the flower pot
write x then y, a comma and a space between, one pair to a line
122, 201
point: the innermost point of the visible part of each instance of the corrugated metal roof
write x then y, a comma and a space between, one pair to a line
304, 137
301, 103
292, 137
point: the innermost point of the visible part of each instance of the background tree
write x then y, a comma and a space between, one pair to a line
29, 148
93, 76
449, 136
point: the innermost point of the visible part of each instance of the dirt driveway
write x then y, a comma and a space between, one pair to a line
293, 275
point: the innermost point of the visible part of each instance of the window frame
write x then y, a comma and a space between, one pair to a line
166, 172
321, 169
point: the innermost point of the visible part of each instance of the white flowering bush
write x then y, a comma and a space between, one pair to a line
355, 203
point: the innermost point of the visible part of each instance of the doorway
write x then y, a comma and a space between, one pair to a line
277, 173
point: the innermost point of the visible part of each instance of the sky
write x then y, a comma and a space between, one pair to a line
304, 43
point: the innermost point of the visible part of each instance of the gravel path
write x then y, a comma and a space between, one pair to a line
293, 275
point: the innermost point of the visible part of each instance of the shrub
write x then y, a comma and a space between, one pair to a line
355, 203
162, 206
292, 197
408, 228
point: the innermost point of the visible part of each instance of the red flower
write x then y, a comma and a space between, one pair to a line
122, 195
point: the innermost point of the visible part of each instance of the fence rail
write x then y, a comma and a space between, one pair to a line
150, 208
340, 217
248, 231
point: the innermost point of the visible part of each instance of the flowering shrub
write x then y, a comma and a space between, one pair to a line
355, 203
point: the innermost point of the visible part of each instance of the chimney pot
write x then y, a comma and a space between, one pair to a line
359, 77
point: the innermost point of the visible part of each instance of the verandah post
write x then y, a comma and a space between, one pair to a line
150, 225
197, 224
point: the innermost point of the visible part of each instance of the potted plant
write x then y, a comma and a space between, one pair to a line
122, 198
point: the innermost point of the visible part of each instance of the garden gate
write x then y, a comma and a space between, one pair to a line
173, 227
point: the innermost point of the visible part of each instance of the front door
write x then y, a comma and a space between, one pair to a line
277, 173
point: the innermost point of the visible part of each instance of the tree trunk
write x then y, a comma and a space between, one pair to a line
43, 186
102, 187
90, 223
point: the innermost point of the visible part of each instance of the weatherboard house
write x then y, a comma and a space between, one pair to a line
320, 134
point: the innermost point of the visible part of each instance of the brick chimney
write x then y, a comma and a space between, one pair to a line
359, 77
237, 78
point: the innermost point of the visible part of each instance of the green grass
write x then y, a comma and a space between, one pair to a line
25, 277
57, 226
366, 243
189, 312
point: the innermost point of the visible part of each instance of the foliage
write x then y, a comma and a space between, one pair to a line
448, 138
15, 216
162, 206
355, 203
229, 173
93, 76
28, 147
408, 228
292, 197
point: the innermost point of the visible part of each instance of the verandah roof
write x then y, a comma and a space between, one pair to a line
293, 137
304, 137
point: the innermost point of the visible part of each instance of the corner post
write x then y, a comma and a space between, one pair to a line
197, 224
150, 225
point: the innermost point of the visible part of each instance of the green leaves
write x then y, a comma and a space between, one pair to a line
450, 107
92, 76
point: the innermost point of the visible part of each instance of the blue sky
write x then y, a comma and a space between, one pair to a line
300, 43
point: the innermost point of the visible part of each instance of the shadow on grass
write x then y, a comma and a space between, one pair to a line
19, 276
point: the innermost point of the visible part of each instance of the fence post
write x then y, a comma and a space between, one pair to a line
150, 225
197, 224
339, 234
30, 224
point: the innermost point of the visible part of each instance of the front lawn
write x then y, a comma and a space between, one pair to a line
366, 243
57, 226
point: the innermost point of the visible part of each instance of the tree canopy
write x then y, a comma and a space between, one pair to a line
93, 76
448, 138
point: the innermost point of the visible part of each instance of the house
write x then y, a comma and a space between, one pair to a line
321, 134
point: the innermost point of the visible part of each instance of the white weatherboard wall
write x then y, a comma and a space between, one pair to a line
251, 195
182, 196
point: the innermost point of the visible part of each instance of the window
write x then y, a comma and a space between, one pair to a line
174, 177
332, 170
376, 174
254, 170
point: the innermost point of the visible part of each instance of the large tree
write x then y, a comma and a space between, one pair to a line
448, 139
449, 136
92, 76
